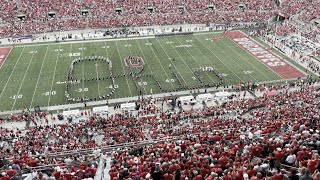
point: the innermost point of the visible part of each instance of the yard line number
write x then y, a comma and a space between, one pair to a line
70, 55
19, 96
169, 80
247, 72
82, 90
142, 83
115, 86
50, 93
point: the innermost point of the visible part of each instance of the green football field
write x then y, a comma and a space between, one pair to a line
35, 75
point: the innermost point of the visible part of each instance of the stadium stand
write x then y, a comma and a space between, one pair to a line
271, 137
240, 138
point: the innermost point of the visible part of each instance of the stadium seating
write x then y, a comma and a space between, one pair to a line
267, 137
211, 141
73, 15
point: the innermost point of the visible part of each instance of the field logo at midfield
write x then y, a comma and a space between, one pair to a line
268, 58
4, 52
134, 62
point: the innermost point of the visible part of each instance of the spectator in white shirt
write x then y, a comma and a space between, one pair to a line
291, 159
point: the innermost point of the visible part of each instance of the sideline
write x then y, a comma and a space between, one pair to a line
103, 39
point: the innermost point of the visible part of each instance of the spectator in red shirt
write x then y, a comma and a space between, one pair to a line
4, 176
313, 163
11, 172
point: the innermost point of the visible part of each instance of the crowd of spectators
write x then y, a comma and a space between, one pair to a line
284, 29
272, 132
306, 10
62, 15
317, 53
29, 17
229, 140
240, 139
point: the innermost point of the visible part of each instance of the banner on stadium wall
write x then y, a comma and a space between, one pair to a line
101, 109
204, 97
128, 106
186, 99
22, 37
71, 113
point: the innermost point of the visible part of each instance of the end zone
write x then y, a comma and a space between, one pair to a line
268, 58
4, 52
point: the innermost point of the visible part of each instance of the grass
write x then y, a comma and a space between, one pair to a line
35, 75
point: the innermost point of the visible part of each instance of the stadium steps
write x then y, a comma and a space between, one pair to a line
253, 94
103, 169
147, 135
107, 169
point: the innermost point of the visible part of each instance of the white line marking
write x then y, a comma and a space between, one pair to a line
82, 74
4, 60
172, 63
35, 89
196, 60
237, 45
105, 43
98, 79
182, 60
141, 77
87, 41
25, 74
275, 54
218, 58
158, 61
11, 73
210, 62
54, 73
238, 65
124, 71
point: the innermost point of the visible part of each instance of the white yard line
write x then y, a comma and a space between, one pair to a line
11, 73
195, 59
35, 89
227, 55
54, 73
4, 60
100, 40
142, 84
82, 70
218, 58
82, 73
105, 44
237, 45
25, 74
140, 78
158, 61
211, 63
124, 71
86, 41
181, 58
173, 63
212, 32
98, 79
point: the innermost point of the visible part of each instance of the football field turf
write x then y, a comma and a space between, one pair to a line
36, 75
